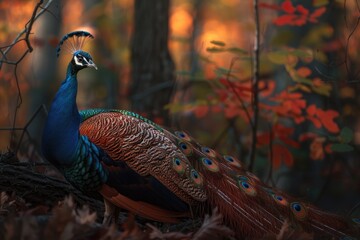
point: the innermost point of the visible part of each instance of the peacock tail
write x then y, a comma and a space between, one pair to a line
138, 166
201, 177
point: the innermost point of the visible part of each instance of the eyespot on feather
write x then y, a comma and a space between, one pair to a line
298, 210
246, 187
196, 178
208, 151
280, 199
232, 161
185, 148
178, 165
182, 135
210, 164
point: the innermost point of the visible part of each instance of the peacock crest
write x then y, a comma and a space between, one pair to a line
73, 42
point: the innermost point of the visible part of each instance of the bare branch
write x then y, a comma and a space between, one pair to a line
255, 86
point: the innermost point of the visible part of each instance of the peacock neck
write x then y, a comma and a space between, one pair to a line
61, 134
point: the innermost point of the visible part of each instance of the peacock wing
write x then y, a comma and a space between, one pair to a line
139, 150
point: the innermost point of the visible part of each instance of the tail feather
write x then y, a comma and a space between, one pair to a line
141, 208
251, 207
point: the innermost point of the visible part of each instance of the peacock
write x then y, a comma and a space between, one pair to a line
135, 165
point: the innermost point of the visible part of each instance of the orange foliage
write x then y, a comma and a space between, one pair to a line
282, 154
289, 105
323, 118
304, 72
317, 148
15, 14
201, 110
294, 15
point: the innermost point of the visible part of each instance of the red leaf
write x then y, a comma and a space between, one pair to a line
311, 110
302, 10
301, 103
318, 12
300, 21
269, 6
288, 7
289, 142
313, 20
201, 111
224, 82
231, 111
216, 109
282, 130
303, 72
287, 19
315, 121
263, 138
328, 148
316, 149
223, 94
327, 119
287, 158
299, 119
307, 136
267, 88
281, 154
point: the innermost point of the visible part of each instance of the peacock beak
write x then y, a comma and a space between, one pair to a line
92, 64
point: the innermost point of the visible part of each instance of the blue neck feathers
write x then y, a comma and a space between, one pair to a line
61, 133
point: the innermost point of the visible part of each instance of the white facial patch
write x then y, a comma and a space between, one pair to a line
79, 61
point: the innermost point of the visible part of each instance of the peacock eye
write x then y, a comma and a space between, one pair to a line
210, 164
80, 59
246, 187
280, 199
196, 178
298, 210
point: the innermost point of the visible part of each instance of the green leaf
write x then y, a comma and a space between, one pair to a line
180, 39
319, 3
277, 57
341, 147
206, 59
237, 50
218, 43
346, 135
215, 49
322, 90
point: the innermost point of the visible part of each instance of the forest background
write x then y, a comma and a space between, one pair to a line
281, 94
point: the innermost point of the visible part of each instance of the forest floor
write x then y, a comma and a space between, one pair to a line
36, 203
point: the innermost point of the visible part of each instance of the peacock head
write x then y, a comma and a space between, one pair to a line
73, 43
82, 60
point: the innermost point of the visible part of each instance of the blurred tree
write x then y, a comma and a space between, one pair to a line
43, 67
152, 66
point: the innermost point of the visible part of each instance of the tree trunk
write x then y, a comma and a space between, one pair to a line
152, 66
43, 67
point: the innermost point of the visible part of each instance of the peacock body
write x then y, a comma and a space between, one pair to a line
136, 165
